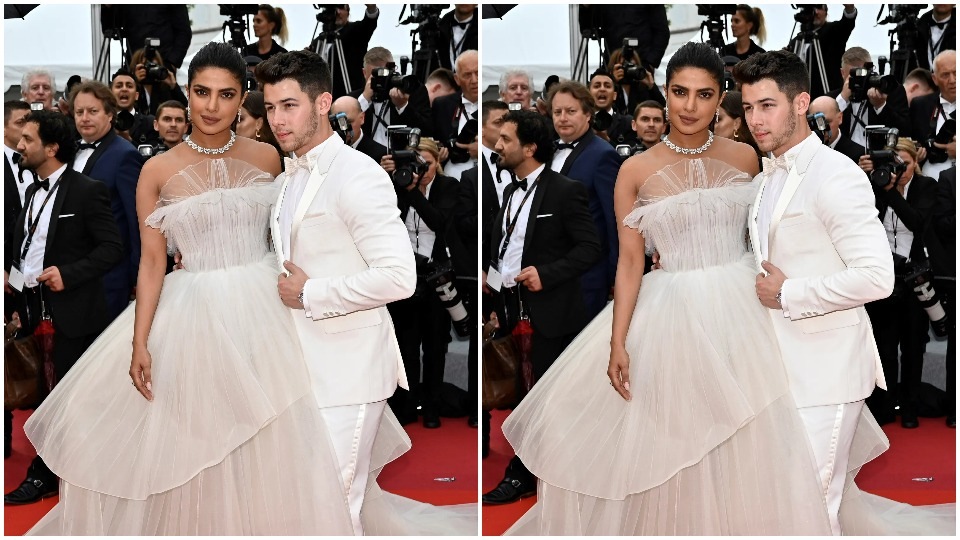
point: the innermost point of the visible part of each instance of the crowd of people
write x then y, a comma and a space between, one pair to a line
569, 264
117, 128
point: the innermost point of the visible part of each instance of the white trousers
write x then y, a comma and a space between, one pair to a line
830, 429
352, 430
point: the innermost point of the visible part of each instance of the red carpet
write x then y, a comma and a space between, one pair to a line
927, 452
449, 452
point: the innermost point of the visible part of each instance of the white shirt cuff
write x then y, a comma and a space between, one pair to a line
783, 299
364, 104
841, 103
306, 304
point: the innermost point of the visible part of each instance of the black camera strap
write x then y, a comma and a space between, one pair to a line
33, 223
935, 47
935, 118
457, 47
512, 223
379, 118
858, 120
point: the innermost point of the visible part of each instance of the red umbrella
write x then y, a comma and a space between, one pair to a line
523, 335
44, 338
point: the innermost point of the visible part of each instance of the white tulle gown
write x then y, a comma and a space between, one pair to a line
711, 442
233, 442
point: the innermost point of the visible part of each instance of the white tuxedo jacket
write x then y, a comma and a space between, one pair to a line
825, 236
348, 238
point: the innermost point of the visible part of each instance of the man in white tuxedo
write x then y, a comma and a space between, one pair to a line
823, 254
345, 255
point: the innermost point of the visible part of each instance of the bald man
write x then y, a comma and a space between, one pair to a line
835, 138
929, 113
357, 139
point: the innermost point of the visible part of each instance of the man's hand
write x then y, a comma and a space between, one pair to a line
470, 148
530, 278
444, 154
865, 163
950, 147
617, 73
398, 98
51, 278
290, 286
769, 285
368, 89
387, 163
877, 98
177, 261
656, 261
845, 91
921, 154
171, 79
141, 73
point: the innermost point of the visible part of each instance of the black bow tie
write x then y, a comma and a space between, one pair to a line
939, 25
45, 184
462, 25
84, 146
564, 146
16, 158
522, 184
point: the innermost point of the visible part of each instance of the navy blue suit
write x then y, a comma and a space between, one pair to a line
116, 163
595, 164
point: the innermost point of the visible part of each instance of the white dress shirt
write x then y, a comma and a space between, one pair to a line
296, 185
899, 236
771, 194
27, 175
459, 35
378, 109
422, 237
933, 170
82, 157
858, 133
499, 182
510, 266
936, 39
560, 156
32, 265
456, 169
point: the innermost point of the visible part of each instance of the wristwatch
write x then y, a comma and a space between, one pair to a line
300, 297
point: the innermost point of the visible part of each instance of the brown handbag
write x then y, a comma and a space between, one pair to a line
23, 375
501, 366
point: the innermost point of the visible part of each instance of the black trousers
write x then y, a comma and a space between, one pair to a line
421, 322
949, 290
900, 328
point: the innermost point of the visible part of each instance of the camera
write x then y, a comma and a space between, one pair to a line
36, 106
466, 136
340, 125
421, 13
628, 150
238, 10
514, 106
150, 150
881, 146
818, 124
632, 73
441, 280
602, 120
387, 77
947, 132
402, 144
156, 72
123, 121
805, 15
898, 13
716, 10
920, 281
865, 78
327, 15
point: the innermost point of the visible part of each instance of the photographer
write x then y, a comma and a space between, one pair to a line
171, 124
648, 23
130, 124
905, 207
410, 109
442, 82
355, 38
515, 87
159, 84
357, 138
873, 107
455, 122
936, 32
426, 206
459, 32
944, 228
170, 23
609, 125
933, 118
746, 22
832, 37
636, 82
918, 82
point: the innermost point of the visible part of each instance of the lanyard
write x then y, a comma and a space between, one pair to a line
35, 222
457, 47
934, 47
512, 224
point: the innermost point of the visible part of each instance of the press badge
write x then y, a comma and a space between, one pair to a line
16, 278
494, 278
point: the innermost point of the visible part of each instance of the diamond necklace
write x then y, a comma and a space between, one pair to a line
689, 151
213, 151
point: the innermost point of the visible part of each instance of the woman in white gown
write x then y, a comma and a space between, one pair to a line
686, 425
229, 439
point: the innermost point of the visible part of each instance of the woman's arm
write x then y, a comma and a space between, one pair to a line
153, 261
628, 278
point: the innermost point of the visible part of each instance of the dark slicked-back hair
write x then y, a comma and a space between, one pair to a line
13, 105
782, 67
218, 55
697, 55
307, 68
53, 128
532, 128
579, 92
98, 90
492, 105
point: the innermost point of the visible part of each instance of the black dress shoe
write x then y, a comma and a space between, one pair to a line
431, 420
952, 420
473, 421
509, 491
909, 420
32, 490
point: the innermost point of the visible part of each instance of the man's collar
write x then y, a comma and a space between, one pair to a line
943, 101
356, 141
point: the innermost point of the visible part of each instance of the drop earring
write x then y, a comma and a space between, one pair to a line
238, 115
718, 116
666, 113
188, 114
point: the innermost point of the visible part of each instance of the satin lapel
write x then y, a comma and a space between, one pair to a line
275, 224
789, 190
579, 149
535, 209
317, 176
752, 224
98, 151
65, 185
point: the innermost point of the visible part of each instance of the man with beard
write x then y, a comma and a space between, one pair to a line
604, 93
141, 128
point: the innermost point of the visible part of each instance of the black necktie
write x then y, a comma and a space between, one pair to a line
564, 146
84, 146
45, 184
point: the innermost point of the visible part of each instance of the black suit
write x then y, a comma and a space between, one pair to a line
421, 320
638, 94
415, 114
849, 148
11, 211
944, 229
833, 38
159, 93
924, 111
470, 38
465, 224
355, 36
372, 148
949, 42
899, 323
647, 23
446, 112
894, 114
